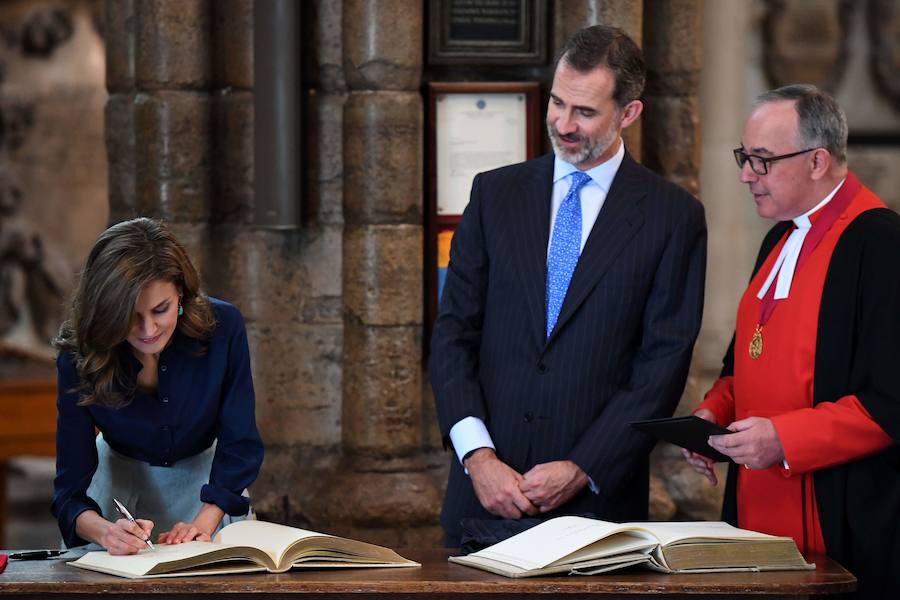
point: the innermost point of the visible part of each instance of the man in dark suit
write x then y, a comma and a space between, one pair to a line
571, 305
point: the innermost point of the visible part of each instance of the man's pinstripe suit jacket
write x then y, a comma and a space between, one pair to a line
619, 352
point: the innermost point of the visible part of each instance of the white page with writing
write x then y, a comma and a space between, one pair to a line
557, 538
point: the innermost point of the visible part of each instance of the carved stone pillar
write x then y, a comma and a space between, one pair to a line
571, 15
673, 51
381, 490
673, 31
119, 113
231, 109
158, 115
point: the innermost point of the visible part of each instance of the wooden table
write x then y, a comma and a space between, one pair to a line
27, 426
436, 579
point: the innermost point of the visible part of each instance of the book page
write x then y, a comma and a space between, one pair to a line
556, 539
271, 538
593, 567
335, 551
137, 565
674, 532
614, 545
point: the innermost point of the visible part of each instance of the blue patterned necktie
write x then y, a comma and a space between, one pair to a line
565, 247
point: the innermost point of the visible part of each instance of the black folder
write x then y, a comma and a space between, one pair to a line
688, 432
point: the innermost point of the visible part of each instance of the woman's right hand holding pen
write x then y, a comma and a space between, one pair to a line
121, 537
127, 537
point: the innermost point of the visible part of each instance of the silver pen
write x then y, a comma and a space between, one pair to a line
124, 512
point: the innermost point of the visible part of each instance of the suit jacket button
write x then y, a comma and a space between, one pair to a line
529, 417
541, 367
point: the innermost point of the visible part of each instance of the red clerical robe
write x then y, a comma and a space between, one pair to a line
779, 385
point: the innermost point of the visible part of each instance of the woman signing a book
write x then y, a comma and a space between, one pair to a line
163, 372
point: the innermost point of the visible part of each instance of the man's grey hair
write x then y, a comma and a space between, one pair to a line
821, 122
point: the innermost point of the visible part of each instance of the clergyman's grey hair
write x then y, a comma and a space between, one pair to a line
821, 121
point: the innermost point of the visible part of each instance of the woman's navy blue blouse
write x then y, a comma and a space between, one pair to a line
200, 398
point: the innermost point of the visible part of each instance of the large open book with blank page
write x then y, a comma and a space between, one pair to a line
581, 546
242, 547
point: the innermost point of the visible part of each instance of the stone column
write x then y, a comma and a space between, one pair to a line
158, 114
231, 109
735, 230
671, 146
571, 15
119, 113
381, 490
673, 51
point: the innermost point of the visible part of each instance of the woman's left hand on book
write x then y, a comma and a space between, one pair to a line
201, 528
183, 532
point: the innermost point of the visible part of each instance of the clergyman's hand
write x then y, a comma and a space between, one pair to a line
700, 463
550, 485
497, 485
755, 443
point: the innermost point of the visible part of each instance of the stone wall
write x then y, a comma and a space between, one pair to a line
333, 305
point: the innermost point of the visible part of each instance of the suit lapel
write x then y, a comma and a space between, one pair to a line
619, 219
530, 229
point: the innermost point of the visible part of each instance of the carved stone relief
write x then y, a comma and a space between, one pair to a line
46, 172
31, 289
45, 30
806, 41
884, 29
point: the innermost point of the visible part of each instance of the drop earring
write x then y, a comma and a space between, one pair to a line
180, 310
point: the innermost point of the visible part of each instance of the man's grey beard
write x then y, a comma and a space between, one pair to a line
589, 152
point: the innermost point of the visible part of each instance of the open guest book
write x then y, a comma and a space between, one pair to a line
244, 547
581, 546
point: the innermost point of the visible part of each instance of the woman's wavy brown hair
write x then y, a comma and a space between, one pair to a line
124, 259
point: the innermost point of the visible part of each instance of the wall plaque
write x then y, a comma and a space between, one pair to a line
487, 31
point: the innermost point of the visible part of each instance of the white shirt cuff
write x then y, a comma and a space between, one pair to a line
470, 434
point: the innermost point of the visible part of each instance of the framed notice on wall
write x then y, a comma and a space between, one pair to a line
475, 132
472, 127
